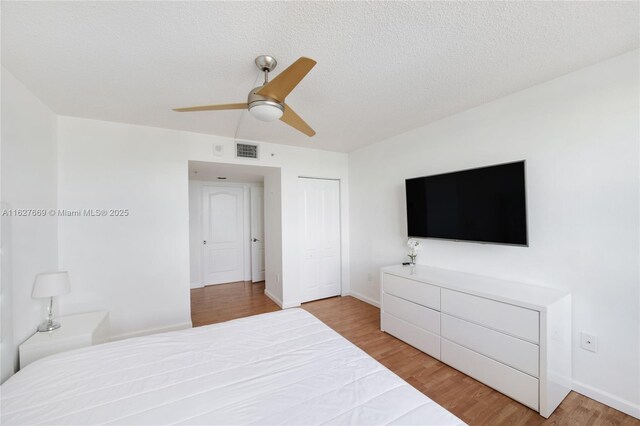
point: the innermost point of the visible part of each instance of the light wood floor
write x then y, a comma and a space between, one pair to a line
359, 322
224, 302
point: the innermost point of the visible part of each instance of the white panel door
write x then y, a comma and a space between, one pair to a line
319, 217
257, 234
223, 234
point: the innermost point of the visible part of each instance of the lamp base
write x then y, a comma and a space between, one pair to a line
48, 326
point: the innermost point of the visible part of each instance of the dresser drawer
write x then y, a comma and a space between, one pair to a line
513, 383
415, 291
512, 351
513, 320
412, 313
415, 336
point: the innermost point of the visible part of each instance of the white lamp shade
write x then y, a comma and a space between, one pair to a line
51, 284
266, 111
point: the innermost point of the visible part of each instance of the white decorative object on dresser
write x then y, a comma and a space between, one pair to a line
76, 331
511, 336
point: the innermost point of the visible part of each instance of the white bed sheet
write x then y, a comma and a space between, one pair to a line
280, 368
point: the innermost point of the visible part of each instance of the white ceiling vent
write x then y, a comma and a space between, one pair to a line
247, 150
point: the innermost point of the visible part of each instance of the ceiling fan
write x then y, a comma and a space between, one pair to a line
266, 102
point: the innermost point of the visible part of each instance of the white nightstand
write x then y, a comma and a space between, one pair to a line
76, 331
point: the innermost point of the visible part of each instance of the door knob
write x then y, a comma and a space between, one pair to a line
255, 239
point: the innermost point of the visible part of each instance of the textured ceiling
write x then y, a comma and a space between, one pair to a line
383, 67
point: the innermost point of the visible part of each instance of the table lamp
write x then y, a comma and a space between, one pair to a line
50, 285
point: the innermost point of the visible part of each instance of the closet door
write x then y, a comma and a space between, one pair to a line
319, 217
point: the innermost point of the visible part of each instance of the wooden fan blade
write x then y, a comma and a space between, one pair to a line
287, 80
294, 120
212, 107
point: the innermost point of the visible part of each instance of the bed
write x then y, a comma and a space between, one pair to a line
279, 368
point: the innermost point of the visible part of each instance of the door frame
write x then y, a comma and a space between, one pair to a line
339, 230
252, 278
203, 187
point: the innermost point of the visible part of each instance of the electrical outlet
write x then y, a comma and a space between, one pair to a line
277, 278
589, 342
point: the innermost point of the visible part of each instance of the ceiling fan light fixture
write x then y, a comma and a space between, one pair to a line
267, 101
266, 110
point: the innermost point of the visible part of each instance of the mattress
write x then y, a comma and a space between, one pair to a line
280, 368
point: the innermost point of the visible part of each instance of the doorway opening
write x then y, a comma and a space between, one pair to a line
233, 213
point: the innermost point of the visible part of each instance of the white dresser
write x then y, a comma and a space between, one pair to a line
511, 336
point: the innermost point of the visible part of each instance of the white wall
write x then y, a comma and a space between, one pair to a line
137, 266
579, 135
273, 234
195, 233
195, 227
29, 244
293, 163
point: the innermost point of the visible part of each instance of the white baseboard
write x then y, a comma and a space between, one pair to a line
279, 302
149, 331
272, 297
197, 285
363, 298
606, 398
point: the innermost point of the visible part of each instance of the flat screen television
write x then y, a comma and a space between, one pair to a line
486, 204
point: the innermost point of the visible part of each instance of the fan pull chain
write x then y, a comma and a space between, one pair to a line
242, 114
